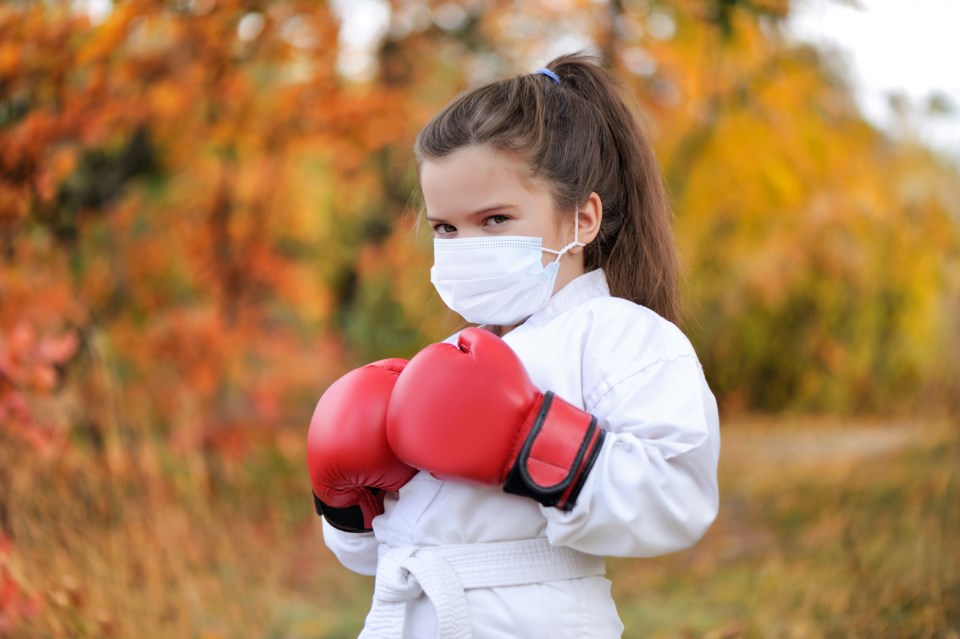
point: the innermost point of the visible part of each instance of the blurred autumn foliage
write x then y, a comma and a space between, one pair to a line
205, 217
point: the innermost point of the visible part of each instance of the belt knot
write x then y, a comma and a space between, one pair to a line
394, 580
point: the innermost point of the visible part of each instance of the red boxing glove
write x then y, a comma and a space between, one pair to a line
348, 457
471, 412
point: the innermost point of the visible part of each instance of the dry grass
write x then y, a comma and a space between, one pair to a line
170, 547
826, 530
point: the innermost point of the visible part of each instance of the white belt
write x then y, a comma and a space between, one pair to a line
443, 573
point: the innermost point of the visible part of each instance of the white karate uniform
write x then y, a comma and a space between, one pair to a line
652, 489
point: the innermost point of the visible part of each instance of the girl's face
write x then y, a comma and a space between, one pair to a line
479, 192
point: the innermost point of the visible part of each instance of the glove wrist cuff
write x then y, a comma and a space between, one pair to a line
557, 454
352, 519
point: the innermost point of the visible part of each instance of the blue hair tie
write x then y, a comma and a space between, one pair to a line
550, 74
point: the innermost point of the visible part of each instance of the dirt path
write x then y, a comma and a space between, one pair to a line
804, 446
818, 443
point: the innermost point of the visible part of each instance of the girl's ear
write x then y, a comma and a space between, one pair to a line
591, 213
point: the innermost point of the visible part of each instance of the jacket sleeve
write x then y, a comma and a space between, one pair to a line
356, 551
653, 488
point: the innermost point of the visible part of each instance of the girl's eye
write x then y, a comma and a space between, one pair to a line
443, 229
495, 220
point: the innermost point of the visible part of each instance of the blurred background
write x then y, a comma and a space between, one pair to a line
208, 213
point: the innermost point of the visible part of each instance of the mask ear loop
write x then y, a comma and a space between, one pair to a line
576, 238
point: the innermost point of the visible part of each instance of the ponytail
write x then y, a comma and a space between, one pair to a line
582, 136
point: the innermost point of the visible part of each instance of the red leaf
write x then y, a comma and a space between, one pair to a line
58, 350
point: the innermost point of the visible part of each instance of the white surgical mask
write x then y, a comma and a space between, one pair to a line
496, 280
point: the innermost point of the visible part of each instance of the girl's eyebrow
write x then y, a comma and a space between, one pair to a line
486, 209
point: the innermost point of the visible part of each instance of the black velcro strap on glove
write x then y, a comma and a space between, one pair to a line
349, 519
557, 455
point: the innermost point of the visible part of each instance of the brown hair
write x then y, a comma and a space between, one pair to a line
581, 135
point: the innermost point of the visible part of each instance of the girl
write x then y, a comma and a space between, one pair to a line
578, 425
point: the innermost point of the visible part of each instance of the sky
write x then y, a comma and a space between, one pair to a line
907, 47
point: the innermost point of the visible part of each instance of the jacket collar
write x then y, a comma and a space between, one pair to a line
579, 290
